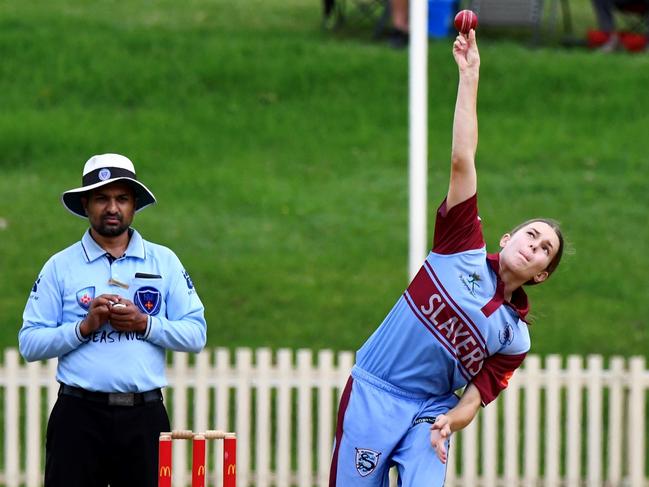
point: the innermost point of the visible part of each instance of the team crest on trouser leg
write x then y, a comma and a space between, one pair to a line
366, 461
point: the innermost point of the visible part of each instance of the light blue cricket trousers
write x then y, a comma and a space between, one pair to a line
380, 426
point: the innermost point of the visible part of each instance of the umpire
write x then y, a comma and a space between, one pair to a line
108, 307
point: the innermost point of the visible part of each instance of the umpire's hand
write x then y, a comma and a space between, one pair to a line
98, 313
125, 316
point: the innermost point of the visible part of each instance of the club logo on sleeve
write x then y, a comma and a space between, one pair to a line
366, 461
35, 288
148, 299
190, 284
506, 335
85, 297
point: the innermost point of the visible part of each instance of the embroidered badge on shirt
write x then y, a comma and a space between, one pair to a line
366, 461
471, 282
148, 299
85, 297
506, 335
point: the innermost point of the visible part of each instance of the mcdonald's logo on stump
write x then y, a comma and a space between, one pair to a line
230, 461
198, 456
164, 461
198, 461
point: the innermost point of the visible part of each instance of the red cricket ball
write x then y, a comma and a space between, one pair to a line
465, 20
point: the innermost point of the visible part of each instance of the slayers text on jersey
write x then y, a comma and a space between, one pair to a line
446, 321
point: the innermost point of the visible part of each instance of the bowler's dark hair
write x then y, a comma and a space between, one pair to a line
557, 229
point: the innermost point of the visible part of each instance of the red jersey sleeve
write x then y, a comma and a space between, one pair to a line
458, 229
495, 374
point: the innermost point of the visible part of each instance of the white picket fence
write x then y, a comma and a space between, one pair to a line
560, 425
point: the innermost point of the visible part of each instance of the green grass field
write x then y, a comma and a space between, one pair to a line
278, 153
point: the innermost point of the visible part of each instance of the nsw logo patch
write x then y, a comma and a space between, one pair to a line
366, 461
85, 297
148, 299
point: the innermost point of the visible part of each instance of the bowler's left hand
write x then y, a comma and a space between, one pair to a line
440, 432
127, 317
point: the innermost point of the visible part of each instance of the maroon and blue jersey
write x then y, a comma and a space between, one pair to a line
452, 325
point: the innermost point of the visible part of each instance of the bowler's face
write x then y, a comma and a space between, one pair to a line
110, 209
529, 251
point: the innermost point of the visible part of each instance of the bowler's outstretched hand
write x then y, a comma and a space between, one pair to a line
465, 52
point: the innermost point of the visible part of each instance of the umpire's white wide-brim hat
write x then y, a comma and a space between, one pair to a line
105, 169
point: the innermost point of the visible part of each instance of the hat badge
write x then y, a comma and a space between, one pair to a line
104, 174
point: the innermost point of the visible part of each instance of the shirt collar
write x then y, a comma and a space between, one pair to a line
518, 302
94, 251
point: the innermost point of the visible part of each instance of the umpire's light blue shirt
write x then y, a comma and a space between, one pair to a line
109, 360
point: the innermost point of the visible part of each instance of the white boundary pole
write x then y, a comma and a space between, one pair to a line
418, 100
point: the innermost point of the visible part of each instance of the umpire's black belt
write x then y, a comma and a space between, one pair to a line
112, 398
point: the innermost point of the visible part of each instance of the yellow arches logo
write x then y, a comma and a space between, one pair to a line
232, 469
201, 470
165, 471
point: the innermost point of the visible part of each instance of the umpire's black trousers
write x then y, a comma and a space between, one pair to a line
94, 442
